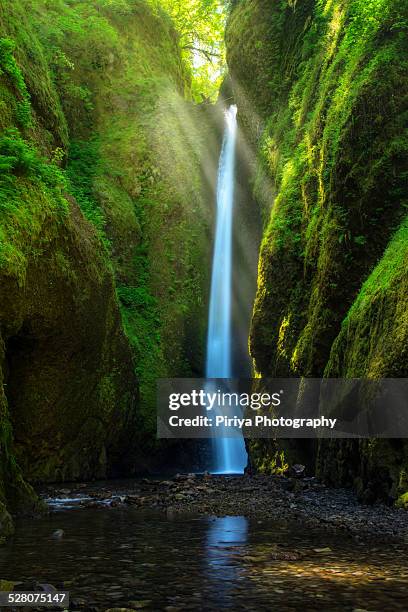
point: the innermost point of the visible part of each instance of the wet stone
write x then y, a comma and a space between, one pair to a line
243, 543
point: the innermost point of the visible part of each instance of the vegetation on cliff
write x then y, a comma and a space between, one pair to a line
103, 239
322, 87
134, 168
68, 388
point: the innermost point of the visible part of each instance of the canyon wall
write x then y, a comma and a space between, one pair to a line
322, 89
104, 250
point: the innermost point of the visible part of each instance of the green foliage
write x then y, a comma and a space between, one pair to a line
122, 74
115, 73
9, 67
20, 159
322, 89
328, 80
402, 501
23, 172
200, 27
374, 333
136, 297
391, 265
142, 324
83, 166
31, 186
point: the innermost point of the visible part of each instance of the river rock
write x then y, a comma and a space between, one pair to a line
298, 470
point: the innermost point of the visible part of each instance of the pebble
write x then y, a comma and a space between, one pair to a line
303, 499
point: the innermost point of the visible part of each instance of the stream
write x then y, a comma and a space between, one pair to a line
113, 554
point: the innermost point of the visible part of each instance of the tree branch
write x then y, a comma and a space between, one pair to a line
208, 54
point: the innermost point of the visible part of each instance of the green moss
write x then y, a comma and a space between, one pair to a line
109, 129
372, 343
47, 121
321, 89
121, 83
330, 156
9, 67
83, 166
402, 501
23, 171
374, 332
386, 273
30, 190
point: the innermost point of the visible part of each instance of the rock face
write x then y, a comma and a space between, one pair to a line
136, 144
103, 238
69, 388
321, 90
67, 367
67, 404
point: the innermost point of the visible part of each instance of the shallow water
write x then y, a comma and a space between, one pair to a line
123, 557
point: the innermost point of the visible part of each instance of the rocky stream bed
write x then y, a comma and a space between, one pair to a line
264, 497
203, 542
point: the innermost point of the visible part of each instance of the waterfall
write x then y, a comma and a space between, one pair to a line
229, 453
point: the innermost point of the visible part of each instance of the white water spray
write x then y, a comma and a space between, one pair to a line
229, 453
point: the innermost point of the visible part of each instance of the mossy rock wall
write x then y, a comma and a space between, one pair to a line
105, 217
67, 406
137, 149
322, 90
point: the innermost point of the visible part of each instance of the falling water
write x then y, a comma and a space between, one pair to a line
229, 453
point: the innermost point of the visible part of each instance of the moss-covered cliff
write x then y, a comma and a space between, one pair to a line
68, 386
322, 91
103, 250
136, 147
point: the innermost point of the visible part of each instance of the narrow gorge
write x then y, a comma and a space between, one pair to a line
191, 189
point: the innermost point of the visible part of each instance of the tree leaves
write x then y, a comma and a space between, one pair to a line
200, 25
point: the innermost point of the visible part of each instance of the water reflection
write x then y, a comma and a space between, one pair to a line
224, 537
225, 534
121, 557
